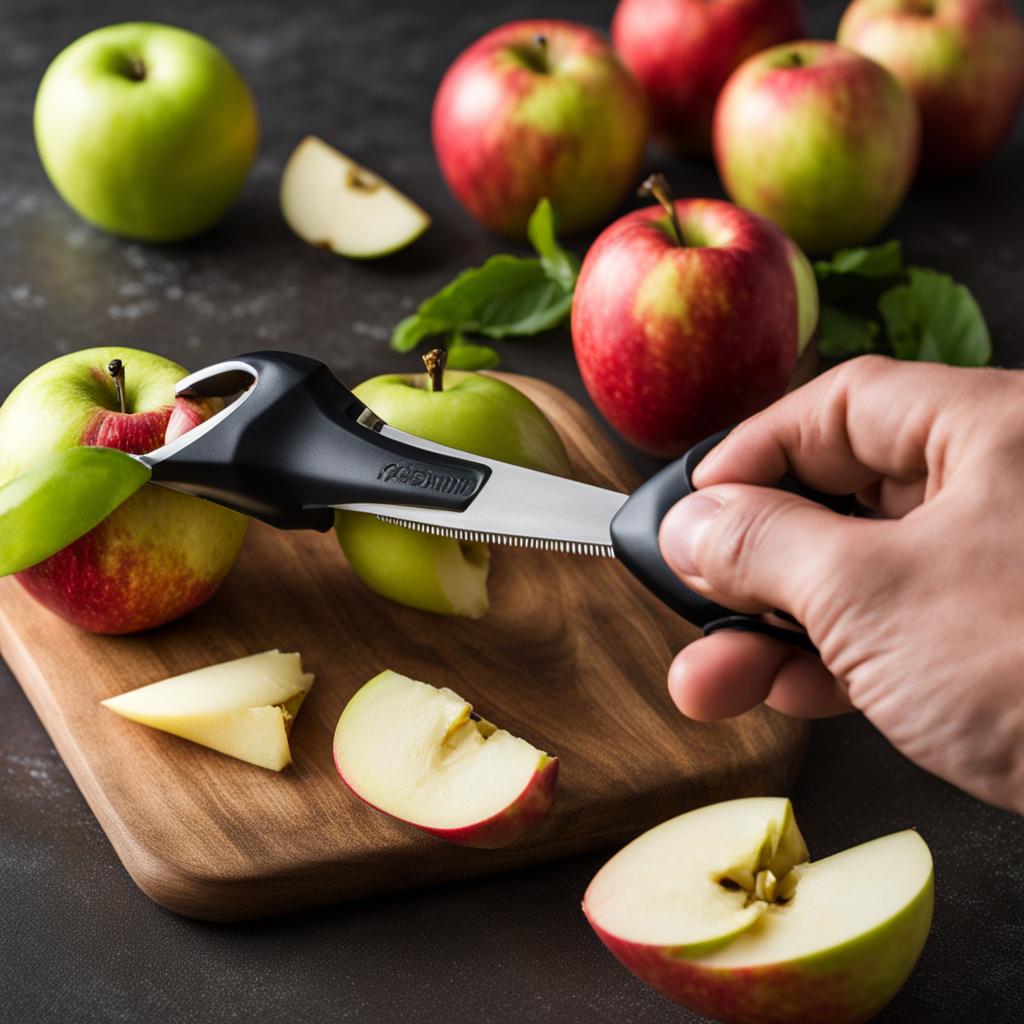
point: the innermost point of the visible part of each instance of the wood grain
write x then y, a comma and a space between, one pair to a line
572, 656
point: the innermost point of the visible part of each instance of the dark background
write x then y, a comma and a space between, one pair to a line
78, 942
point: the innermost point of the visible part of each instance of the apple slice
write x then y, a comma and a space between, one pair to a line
333, 203
719, 910
418, 753
243, 708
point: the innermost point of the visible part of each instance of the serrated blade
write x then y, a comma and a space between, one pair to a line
516, 506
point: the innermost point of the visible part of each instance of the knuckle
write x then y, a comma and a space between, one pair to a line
736, 541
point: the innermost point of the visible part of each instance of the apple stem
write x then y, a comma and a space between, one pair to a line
542, 45
657, 186
116, 370
434, 361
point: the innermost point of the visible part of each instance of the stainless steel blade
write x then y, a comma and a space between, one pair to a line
516, 506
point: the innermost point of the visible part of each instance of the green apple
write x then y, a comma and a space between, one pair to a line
159, 554
478, 414
243, 708
334, 203
721, 910
146, 130
418, 753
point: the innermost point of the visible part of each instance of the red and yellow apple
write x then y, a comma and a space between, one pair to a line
818, 139
418, 753
682, 52
161, 553
721, 910
535, 109
961, 60
680, 335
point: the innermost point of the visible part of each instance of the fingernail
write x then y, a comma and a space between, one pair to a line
684, 526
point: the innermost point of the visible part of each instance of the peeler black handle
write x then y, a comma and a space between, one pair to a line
296, 441
635, 540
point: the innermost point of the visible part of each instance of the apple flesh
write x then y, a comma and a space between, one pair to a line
478, 414
720, 910
333, 203
158, 555
534, 109
146, 130
675, 341
961, 60
682, 52
243, 708
818, 139
418, 753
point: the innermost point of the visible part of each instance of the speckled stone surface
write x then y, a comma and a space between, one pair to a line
78, 942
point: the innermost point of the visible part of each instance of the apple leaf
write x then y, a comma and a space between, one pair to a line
466, 355
933, 319
60, 499
507, 297
842, 333
885, 260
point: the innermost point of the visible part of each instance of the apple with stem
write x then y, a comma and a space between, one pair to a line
689, 316
961, 60
471, 411
146, 130
682, 52
534, 109
335, 204
159, 554
818, 139
420, 754
720, 910
243, 708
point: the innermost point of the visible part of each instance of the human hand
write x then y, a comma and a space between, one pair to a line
918, 614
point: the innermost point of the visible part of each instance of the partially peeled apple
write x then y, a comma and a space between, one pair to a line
722, 911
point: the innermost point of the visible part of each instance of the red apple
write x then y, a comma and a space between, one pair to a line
682, 330
682, 52
961, 60
161, 553
535, 109
818, 139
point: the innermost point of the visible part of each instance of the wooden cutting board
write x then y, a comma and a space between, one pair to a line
572, 657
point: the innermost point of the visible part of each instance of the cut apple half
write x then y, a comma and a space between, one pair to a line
418, 753
243, 708
720, 910
334, 203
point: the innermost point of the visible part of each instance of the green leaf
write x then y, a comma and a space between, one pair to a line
933, 319
559, 264
60, 499
885, 260
469, 356
842, 333
415, 328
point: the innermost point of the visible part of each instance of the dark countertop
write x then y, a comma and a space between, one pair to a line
78, 941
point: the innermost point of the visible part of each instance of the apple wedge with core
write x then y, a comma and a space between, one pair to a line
333, 203
720, 910
418, 753
243, 708
61, 499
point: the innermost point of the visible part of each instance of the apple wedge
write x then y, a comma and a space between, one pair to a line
243, 708
720, 910
418, 753
333, 203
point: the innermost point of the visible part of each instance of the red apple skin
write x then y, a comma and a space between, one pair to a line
527, 811
682, 52
820, 140
675, 342
961, 60
137, 569
844, 986
507, 135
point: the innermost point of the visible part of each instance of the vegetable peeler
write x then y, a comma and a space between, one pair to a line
293, 444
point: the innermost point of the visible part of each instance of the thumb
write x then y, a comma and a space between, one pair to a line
756, 548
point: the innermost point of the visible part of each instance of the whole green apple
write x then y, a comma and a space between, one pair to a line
478, 414
146, 130
161, 553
